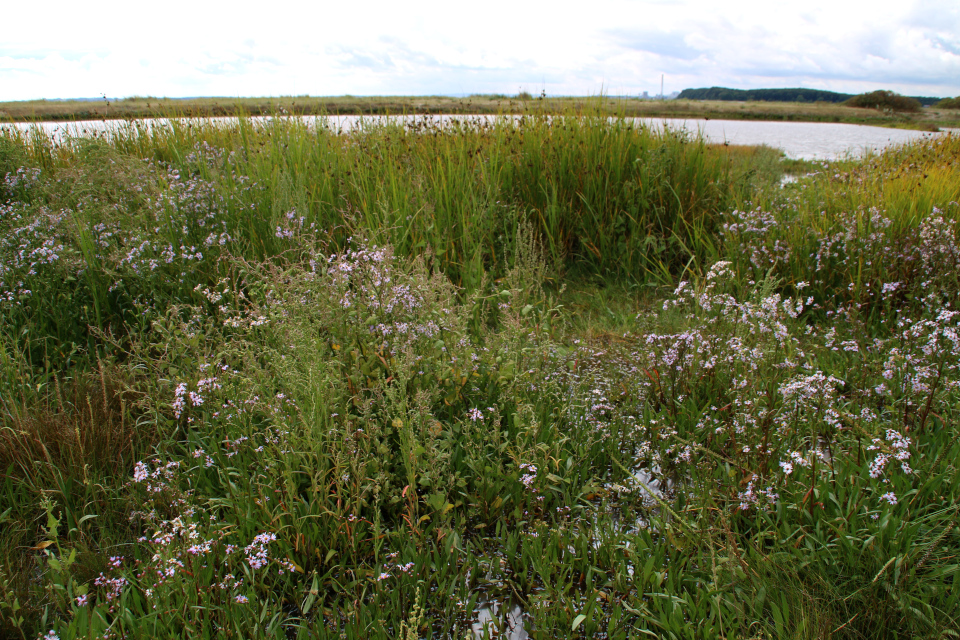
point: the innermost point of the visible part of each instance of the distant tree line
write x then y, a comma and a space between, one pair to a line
949, 103
780, 95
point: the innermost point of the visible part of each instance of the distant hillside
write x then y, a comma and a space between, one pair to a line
776, 95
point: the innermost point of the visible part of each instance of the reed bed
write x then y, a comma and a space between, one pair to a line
930, 118
274, 381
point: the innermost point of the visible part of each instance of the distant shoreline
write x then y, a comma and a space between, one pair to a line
929, 119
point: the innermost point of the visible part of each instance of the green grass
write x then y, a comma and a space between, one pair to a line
269, 381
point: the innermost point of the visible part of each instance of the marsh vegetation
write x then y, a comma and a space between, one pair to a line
263, 380
523, 103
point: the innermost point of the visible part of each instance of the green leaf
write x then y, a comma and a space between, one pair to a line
311, 596
578, 621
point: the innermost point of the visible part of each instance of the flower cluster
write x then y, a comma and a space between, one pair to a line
391, 565
160, 478
184, 397
257, 551
896, 447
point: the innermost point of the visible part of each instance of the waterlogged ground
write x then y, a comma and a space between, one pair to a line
221, 418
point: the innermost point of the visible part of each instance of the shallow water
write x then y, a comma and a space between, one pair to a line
806, 140
496, 621
798, 140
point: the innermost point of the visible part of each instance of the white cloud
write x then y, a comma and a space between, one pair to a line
183, 48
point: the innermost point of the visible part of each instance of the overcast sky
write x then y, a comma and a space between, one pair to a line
177, 48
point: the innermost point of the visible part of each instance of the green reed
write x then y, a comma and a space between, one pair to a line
595, 188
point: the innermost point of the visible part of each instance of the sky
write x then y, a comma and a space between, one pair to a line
181, 48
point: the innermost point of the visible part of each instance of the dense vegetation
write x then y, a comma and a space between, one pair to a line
885, 101
783, 95
775, 95
266, 380
949, 103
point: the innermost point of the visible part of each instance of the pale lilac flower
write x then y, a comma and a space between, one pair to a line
876, 467
178, 401
256, 551
530, 476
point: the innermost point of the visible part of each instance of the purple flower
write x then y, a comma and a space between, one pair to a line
257, 556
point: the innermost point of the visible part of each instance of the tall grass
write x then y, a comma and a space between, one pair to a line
459, 189
606, 197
